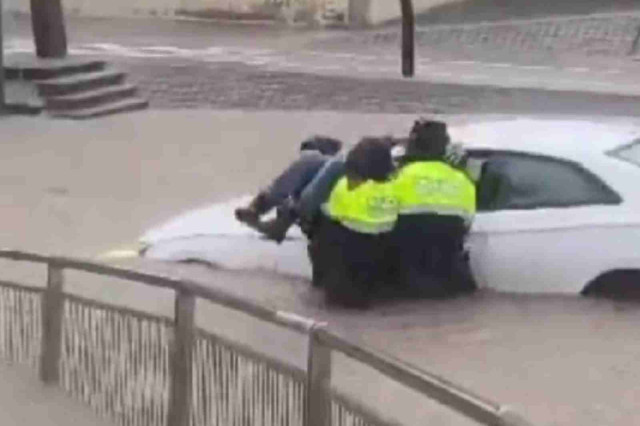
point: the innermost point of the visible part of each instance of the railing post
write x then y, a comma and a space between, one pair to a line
318, 381
509, 417
52, 310
182, 360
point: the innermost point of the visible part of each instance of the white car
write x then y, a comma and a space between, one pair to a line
558, 211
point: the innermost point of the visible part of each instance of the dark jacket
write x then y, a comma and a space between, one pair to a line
429, 250
350, 266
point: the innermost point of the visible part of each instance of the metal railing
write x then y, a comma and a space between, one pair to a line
146, 370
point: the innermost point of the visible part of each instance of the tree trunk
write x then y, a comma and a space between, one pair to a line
49, 32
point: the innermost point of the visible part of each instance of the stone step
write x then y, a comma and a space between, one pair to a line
90, 98
123, 105
42, 69
23, 108
80, 82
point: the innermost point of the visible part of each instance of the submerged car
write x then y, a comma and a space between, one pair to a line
558, 212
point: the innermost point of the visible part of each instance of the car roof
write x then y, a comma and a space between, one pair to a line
571, 139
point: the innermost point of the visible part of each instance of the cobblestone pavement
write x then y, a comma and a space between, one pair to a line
240, 86
458, 57
603, 75
239, 77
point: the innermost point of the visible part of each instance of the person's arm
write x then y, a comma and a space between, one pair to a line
457, 156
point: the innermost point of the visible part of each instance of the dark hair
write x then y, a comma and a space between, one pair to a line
428, 138
324, 144
370, 159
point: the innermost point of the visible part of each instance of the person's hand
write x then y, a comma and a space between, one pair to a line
456, 155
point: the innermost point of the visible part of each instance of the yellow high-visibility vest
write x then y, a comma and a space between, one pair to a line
370, 208
435, 187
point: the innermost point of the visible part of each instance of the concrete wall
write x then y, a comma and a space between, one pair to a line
360, 12
105, 8
374, 12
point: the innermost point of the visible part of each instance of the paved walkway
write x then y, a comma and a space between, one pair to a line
25, 402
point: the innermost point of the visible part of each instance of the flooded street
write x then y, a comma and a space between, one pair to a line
558, 360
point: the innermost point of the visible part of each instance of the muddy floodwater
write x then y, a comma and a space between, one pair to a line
559, 360
83, 189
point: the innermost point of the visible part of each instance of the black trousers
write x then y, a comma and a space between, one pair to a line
429, 255
349, 266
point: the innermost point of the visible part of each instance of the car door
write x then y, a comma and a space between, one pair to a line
535, 222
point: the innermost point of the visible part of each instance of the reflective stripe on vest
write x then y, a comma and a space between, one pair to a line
370, 208
435, 187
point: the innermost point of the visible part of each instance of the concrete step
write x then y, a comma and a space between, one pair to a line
122, 105
90, 98
41, 69
21, 97
80, 82
21, 108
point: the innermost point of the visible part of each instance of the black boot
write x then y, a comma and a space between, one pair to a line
250, 215
276, 228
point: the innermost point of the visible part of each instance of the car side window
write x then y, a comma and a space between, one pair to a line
520, 181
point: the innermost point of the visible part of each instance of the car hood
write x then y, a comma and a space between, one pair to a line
213, 235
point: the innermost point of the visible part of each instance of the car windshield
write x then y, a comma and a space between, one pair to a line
629, 153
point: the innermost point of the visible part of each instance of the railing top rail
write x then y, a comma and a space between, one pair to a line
284, 319
437, 388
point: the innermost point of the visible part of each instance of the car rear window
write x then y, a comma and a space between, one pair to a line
629, 153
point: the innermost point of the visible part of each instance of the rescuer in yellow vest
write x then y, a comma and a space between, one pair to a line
436, 205
350, 245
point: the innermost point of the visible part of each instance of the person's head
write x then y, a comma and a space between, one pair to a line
369, 159
428, 139
323, 144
